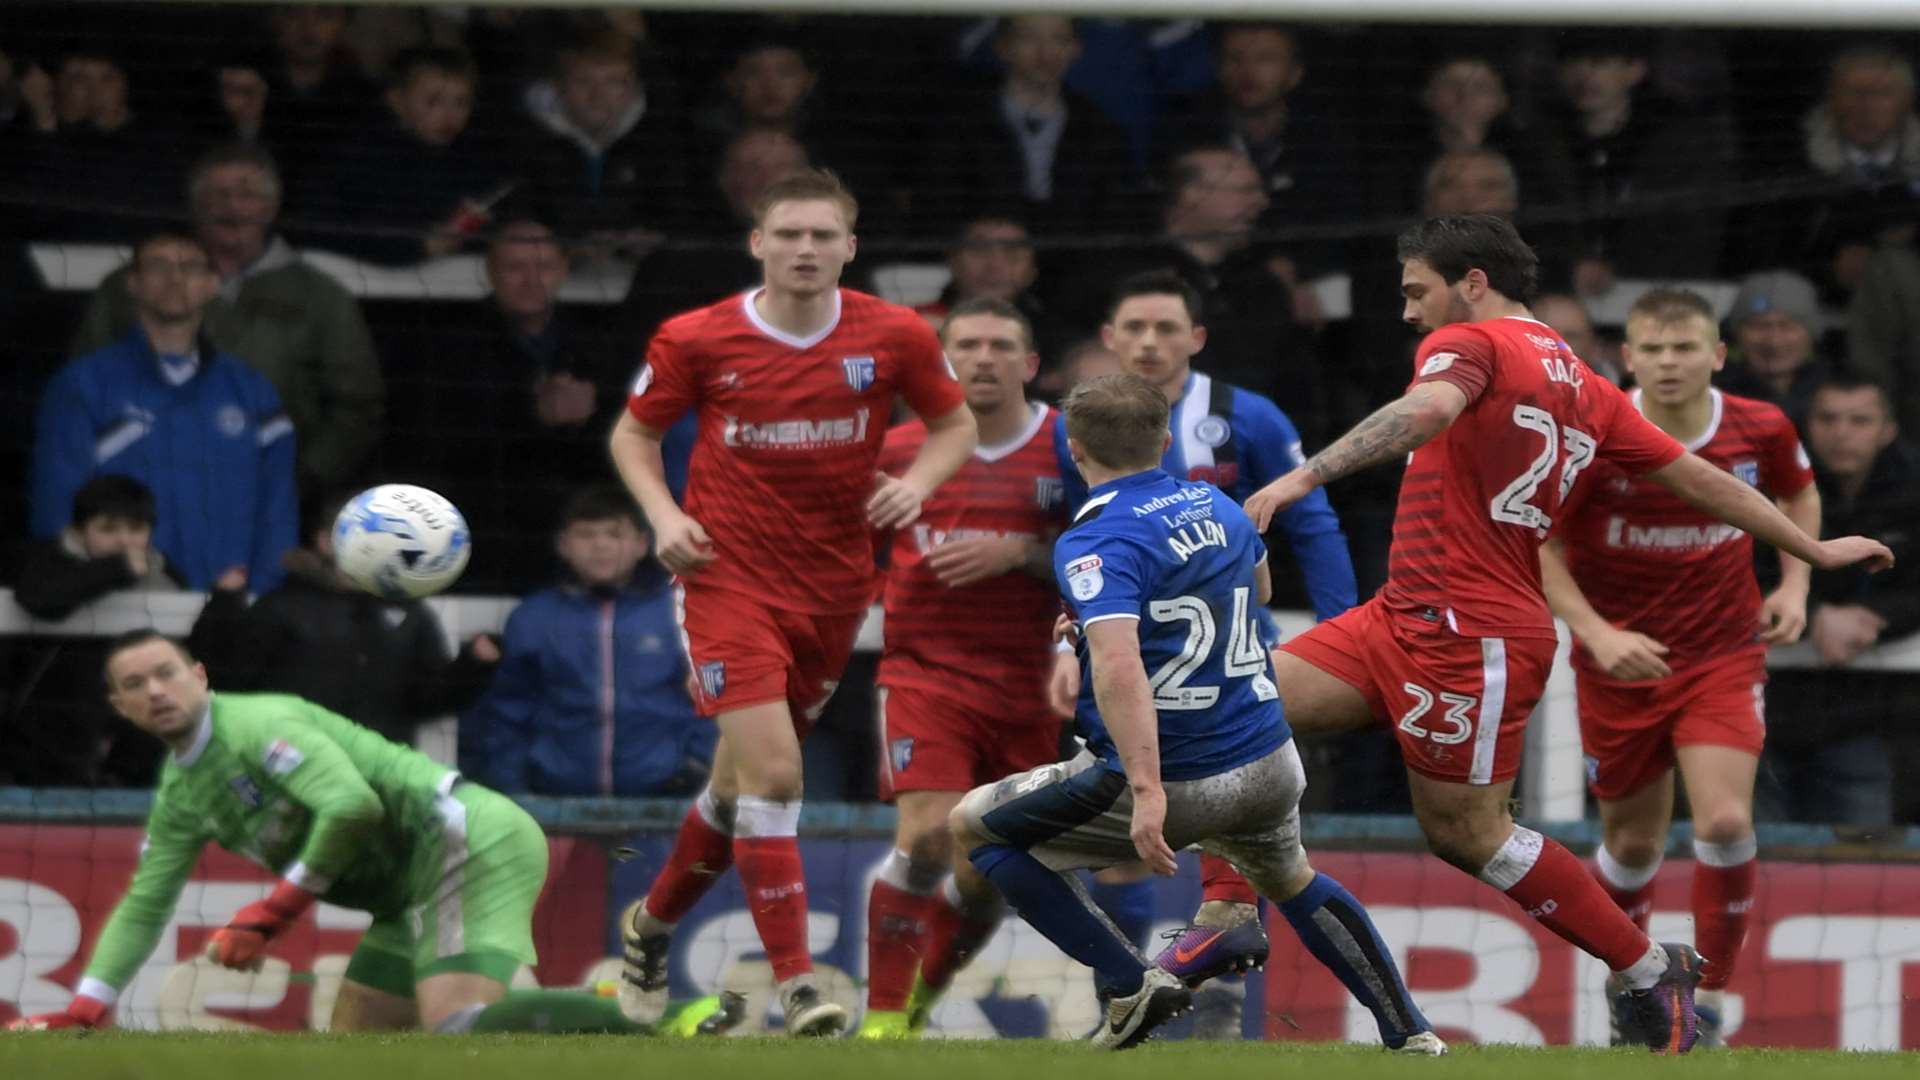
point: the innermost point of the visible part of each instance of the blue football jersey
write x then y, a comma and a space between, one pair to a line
1242, 442
1178, 558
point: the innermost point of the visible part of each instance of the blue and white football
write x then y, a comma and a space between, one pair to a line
400, 541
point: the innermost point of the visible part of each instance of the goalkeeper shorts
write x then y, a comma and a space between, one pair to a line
474, 885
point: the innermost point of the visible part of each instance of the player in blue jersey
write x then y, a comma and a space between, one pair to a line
1240, 442
1163, 576
1223, 435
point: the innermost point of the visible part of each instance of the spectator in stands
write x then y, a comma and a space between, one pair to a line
993, 258
108, 173
281, 316
519, 409
1569, 318
1131, 68
606, 162
1214, 198
323, 638
1028, 141
752, 162
591, 696
240, 95
1471, 180
1624, 148
718, 263
1776, 325
1081, 361
1883, 329
422, 185
771, 82
1860, 148
1828, 727
1464, 106
317, 97
108, 547
26, 96
204, 432
1303, 160
54, 724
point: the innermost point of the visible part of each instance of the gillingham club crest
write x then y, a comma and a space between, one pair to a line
859, 371
713, 678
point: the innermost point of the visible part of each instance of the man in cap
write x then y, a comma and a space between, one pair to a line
1775, 325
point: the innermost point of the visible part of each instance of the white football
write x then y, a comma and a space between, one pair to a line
400, 541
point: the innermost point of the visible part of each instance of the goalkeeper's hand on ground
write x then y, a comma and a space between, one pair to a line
82, 1012
242, 943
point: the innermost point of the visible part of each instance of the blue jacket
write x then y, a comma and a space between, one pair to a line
217, 452
1240, 442
553, 724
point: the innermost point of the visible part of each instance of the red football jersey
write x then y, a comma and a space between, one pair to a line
990, 641
1479, 498
1647, 561
790, 431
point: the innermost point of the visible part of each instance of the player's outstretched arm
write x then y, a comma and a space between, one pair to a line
1623, 654
682, 544
1783, 615
951, 437
1125, 698
1394, 430
131, 932
1739, 504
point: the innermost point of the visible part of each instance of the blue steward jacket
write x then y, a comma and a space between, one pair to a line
217, 451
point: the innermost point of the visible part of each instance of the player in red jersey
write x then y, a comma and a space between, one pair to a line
1501, 420
970, 607
793, 384
1675, 632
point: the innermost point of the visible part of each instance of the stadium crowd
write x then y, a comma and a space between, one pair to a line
191, 421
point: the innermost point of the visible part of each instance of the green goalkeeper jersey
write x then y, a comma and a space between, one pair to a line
305, 793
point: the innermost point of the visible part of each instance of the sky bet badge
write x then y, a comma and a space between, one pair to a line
1083, 577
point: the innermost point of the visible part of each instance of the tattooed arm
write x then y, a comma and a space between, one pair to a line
1394, 431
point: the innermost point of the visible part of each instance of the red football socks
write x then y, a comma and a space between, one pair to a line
700, 855
952, 939
896, 938
1723, 887
1548, 881
777, 898
1631, 887
1220, 881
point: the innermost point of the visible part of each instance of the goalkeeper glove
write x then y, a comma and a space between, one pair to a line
82, 1012
242, 943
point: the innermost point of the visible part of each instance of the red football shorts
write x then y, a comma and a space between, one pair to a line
1458, 705
936, 742
745, 653
1629, 730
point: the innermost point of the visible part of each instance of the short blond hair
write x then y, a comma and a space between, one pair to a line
1120, 420
1669, 304
808, 185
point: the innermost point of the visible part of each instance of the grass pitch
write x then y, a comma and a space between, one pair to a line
135, 1056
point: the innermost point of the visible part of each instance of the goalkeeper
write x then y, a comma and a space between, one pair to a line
449, 870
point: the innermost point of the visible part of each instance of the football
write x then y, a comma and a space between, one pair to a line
400, 541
